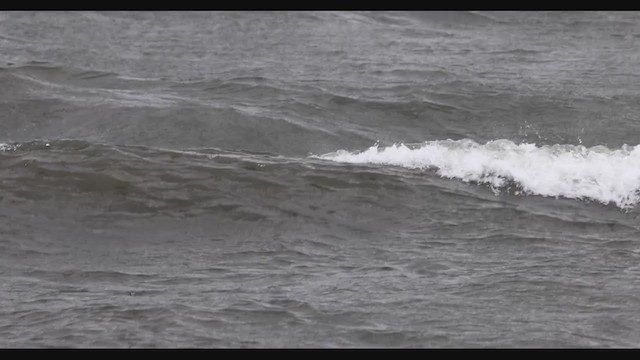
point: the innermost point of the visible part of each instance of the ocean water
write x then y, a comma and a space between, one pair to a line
319, 179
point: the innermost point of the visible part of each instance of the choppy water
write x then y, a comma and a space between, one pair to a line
319, 179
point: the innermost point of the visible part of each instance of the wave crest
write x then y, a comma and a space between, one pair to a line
575, 172
8, 147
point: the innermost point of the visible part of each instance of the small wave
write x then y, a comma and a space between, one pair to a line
8, 147
575, 172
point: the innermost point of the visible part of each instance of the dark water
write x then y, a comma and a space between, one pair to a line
284, 179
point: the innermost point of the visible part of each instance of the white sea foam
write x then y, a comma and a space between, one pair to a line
575, 172
7, 147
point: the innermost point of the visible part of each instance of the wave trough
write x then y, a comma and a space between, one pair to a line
575, 172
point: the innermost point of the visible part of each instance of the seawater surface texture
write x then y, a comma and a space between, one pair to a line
319, 179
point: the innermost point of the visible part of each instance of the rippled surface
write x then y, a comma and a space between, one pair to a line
203, 179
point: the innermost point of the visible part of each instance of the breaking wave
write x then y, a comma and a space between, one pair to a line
575, 172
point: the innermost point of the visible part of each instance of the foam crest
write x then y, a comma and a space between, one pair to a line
576, 172
7, 147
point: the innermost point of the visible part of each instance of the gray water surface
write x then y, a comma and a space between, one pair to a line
159, 184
